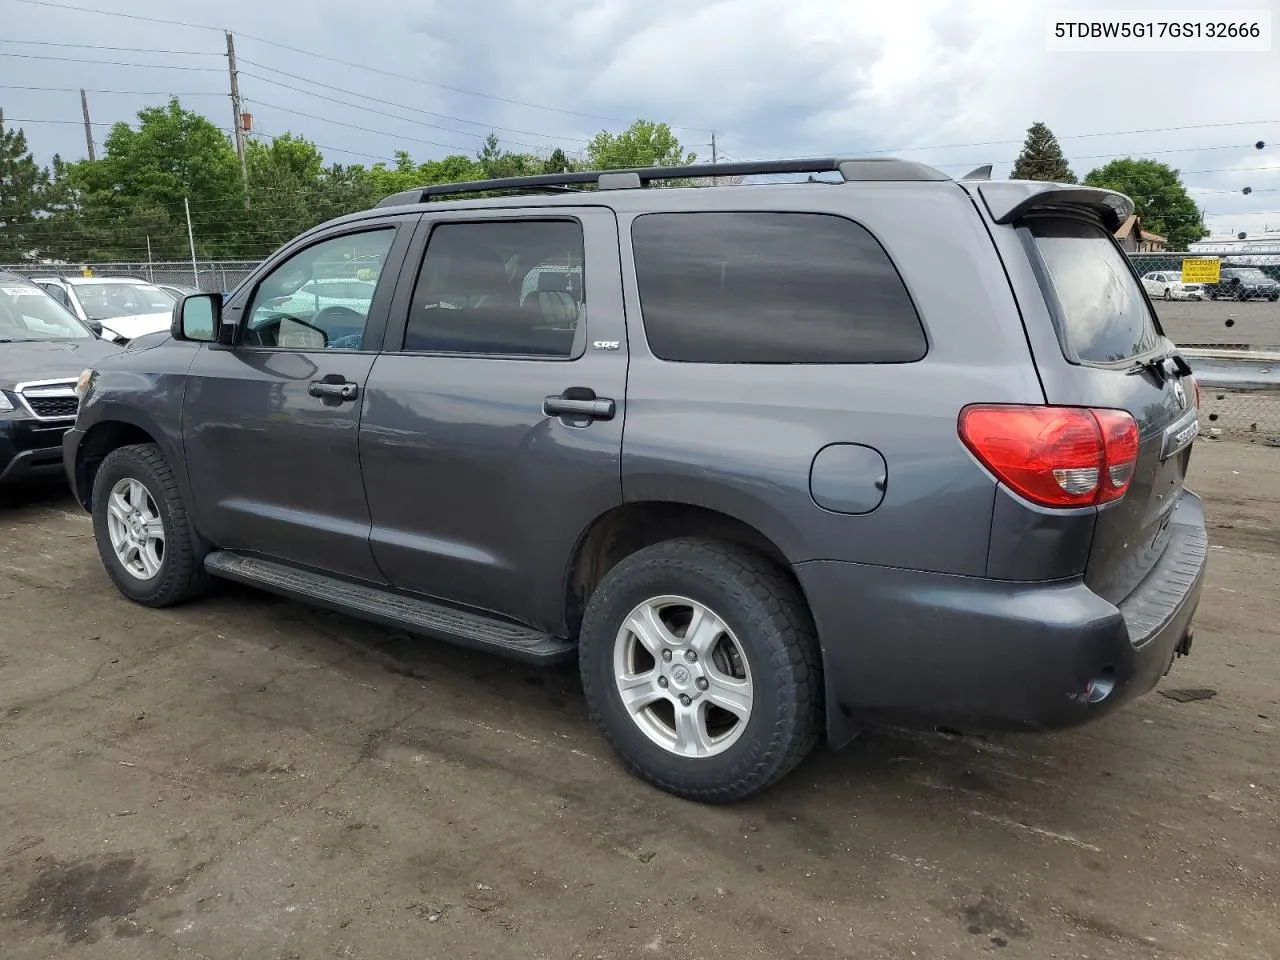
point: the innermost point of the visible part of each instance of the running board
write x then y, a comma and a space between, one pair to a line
394, 610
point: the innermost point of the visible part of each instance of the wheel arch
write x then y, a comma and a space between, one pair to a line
624, 529
100, 440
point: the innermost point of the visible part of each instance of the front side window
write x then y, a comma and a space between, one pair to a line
27, 313
319, 299
1100, 308
110, 301
500, 288
771, 288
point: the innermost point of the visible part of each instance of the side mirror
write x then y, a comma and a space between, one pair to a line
197, 317
95, 327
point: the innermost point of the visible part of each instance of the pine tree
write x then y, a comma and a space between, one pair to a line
22, 183
1041, 158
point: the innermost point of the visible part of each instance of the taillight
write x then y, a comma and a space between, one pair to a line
1195, 387
1054, 456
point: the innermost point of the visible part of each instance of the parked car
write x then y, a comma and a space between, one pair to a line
126, 307
1168, 285
43, 348
790, 458
177, 291
1243, 283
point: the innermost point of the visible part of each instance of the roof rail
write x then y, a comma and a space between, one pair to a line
851, 168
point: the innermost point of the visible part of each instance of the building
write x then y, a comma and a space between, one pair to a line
1133, 239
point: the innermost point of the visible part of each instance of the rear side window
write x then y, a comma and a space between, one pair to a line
1101, 312
770, 288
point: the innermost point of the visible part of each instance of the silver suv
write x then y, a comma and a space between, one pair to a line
771, 461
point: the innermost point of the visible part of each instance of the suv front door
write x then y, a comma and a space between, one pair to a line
271, 425
492, 428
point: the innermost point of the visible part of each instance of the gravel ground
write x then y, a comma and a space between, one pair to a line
247, 778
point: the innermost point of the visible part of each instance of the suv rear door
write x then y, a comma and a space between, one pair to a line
491, 436
1097, 342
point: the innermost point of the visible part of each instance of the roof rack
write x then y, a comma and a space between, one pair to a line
849, 168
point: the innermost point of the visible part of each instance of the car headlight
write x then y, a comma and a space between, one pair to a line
82, 382
5, 403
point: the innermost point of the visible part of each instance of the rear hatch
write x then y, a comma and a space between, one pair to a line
1111, 353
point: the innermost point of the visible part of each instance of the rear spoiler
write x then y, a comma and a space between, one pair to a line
1008, 200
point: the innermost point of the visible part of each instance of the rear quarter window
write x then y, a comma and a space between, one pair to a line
770, 288
1096, 301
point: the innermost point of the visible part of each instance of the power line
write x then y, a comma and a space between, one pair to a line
105, 63
321, 56
392, 103
131, 93
113, 13
340, 123
95, 46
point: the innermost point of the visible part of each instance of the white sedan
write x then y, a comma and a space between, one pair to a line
1168, 285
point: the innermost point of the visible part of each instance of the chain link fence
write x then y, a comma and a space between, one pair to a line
1242, 276
211, 276
1233, 406
1239, 394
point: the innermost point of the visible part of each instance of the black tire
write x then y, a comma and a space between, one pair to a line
1274, 297
763, 608
181, 575
1168, 293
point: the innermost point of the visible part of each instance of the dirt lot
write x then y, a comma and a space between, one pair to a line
246, 778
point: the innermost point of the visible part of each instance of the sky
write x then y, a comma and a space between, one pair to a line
953, 83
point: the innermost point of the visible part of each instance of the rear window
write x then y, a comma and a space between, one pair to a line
770, 288
1099, 306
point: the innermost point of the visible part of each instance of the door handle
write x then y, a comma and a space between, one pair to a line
594, 408
328, 390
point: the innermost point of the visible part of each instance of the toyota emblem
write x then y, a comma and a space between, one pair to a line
1180, 394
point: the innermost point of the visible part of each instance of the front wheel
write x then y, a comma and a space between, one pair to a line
140, 524
1168, 293
700, 666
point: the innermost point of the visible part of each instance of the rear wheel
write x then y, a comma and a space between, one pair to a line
699, 663
140, 524
1168, 293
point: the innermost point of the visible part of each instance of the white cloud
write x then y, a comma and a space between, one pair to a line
950, 82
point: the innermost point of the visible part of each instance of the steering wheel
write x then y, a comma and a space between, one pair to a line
339, 317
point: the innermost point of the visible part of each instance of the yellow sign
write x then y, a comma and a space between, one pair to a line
87, 272
1201, 271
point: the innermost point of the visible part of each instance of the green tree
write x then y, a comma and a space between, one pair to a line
284, 179
23, 183
643, 144
1159, 198
146, 174
1041, 158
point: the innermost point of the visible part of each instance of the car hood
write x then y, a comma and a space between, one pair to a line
127, 328
50, 359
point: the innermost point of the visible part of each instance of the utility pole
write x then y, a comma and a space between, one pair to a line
88, 127
237, 109
191, 237
715, 181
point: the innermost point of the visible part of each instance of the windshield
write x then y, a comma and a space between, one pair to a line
28, 313
104, 301
1250, 273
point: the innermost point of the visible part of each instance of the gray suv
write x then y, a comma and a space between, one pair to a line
771, 461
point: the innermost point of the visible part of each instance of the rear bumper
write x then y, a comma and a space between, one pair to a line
29, 450
905, 645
